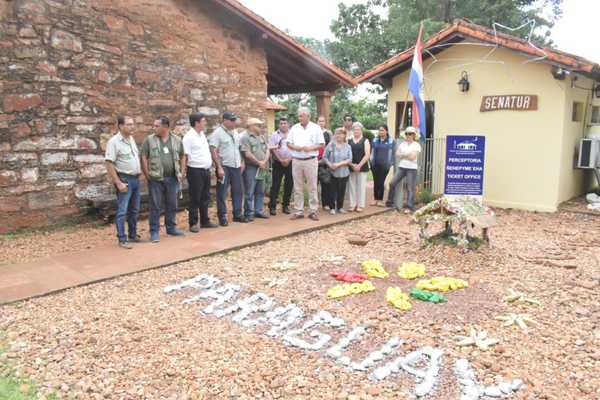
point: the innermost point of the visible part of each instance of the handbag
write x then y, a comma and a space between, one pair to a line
324, 175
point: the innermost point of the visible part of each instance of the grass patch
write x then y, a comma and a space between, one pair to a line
15, 387
446, 238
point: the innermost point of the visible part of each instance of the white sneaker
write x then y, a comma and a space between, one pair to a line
332, 211
342, 211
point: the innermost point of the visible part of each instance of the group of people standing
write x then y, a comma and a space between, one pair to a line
350, 155
300, 157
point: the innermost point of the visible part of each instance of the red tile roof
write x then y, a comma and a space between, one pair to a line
285, 40
469, 30
271, 105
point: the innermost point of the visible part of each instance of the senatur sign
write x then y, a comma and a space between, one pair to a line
315, 331
515, 102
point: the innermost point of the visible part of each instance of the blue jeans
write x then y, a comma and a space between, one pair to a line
411, 178
128, 206
233, 178
166, 189
254, 192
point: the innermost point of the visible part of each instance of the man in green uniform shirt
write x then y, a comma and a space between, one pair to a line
163, 164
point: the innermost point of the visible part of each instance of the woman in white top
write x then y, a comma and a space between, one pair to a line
407, 152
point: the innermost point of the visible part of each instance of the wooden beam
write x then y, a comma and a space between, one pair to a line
385, 82
322, 87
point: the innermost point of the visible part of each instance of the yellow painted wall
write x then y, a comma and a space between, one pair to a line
525, 158
574, 182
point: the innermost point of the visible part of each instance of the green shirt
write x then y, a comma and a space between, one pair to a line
257, 145
165, 153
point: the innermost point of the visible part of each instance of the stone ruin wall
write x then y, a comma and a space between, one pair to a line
67, 68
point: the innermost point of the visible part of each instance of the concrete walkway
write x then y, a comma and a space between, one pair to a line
53, 274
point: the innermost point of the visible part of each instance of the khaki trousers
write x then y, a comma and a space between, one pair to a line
304, 173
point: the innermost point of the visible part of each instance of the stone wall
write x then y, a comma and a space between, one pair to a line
67, 68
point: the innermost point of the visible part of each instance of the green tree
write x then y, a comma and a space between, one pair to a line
368, 34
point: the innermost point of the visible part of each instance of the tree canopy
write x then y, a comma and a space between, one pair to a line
370, 33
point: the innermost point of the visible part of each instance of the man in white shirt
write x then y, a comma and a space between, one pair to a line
304, 141
198, 161
408, 153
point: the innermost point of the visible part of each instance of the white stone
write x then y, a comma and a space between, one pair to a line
197, 94
29, 175
505, 388
208, 111
54, 158
292, 314
492, 391
220, 295
202, 282
376, 356
516, 384
344, 360
88, 158
93, 170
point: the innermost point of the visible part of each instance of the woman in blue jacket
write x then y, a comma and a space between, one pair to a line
382, 159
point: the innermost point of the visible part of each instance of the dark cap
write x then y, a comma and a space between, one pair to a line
230, 116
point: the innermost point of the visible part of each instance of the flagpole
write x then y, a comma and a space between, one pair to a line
407, 90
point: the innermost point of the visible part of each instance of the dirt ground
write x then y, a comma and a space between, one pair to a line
126, 339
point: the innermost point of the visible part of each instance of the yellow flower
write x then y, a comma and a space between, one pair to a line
374, 269
400, 300
441, 284
411, 270
350, 288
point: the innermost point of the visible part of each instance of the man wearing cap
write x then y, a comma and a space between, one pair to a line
162, 163
408, 152
225, 147
256, 156
304, 140
197, 162
282, 168
123, 166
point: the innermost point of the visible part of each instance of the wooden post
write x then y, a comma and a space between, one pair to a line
324, 106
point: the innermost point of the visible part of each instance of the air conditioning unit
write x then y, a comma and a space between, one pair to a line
588, 153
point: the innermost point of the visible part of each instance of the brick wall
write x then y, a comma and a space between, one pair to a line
67, 68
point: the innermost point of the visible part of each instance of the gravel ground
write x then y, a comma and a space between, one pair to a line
125, 339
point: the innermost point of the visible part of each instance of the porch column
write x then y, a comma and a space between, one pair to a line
324, 106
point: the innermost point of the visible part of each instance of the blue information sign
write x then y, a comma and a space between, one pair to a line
464, 165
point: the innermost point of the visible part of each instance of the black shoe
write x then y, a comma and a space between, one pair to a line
242, 220
261, 215
223, 222
272, 211
176, 232
286, 210
389, 204
250, 219
136, 239
209, 225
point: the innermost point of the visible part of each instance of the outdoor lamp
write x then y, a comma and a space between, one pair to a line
463, 84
